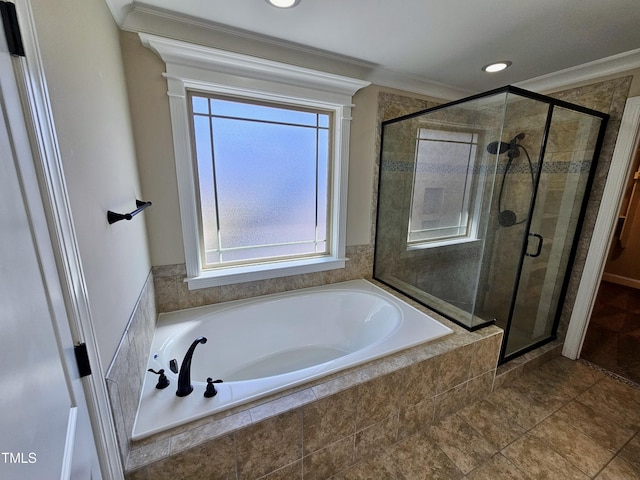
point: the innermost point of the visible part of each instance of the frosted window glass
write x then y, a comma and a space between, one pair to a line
200, 105
443, 180
225, 108
263, 180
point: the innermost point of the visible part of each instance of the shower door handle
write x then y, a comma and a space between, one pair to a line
539, 249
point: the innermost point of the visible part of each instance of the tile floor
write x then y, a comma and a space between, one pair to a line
613, 336
562, 421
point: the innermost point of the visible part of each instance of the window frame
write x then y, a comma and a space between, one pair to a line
326, 192
200, 68
474, 200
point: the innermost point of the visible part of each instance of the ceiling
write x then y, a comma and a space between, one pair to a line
442, 42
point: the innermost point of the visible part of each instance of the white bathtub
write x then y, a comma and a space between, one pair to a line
267, 344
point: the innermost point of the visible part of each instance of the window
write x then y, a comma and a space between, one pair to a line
263, 180
444, 185
261, 152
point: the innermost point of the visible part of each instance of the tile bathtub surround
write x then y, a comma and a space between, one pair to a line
173, 294
124, 375
328, 425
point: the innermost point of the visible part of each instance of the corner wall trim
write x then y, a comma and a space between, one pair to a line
628, 138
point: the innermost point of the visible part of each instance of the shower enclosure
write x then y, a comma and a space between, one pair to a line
480, 202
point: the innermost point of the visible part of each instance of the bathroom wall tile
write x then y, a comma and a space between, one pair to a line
281, 405
479, 387
269, 445
213, 460
461, 443
378, 399
323, 463
289, 472
166, 289
583, 452
454, 368
172, 293
338, 384
118, 418
376, 437
450, 401
208, 431
124, 375
329, 419
415, 417
539, 460
147, 454
419, 381
485, 355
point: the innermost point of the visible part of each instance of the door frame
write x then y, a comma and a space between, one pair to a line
628, 138
38, 114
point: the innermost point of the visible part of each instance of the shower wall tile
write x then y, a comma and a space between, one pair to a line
172, 292
609, 97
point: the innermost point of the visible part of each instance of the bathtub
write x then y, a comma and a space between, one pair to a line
267, 344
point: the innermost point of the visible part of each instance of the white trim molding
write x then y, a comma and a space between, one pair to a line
583, 73
202, 68
39, 115
628, 138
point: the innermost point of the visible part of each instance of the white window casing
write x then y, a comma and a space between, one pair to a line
196, 67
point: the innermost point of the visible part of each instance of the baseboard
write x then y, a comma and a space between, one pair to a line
620, 280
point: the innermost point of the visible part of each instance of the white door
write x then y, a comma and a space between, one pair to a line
45, 431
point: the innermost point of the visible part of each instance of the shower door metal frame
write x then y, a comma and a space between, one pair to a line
552, 104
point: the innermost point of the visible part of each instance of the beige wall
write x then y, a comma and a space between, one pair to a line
152, 128
83, 67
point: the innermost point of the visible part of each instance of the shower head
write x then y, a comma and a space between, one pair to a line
502, 147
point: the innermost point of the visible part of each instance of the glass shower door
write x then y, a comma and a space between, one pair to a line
549, 246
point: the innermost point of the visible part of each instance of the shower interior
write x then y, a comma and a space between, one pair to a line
484, 230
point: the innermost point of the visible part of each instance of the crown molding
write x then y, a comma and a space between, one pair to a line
583, 73
140, 18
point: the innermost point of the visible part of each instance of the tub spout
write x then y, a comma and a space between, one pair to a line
184, 377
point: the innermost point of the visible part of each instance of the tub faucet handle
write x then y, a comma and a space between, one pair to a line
163, 381
211, 389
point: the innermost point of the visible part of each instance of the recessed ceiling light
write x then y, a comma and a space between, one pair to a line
496, 67
283, 3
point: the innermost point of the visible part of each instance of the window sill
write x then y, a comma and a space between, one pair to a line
415, 249
249, 273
